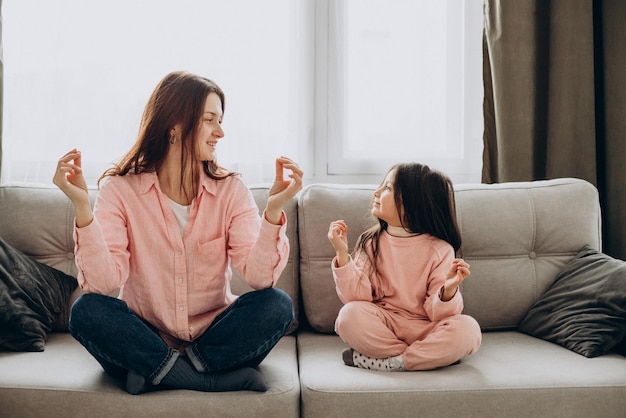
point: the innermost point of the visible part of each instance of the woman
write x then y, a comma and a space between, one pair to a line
166, 225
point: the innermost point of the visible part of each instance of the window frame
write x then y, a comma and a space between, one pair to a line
330, 166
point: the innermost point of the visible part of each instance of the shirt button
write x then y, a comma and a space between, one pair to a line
180, 280
181, 308
190, 328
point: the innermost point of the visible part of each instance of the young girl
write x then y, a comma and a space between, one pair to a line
400, 288
166, 226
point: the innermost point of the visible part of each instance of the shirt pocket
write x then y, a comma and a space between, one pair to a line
209, 269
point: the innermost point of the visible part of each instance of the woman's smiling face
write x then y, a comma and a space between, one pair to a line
210, 129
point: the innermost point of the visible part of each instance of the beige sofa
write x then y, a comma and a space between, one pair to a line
517, 237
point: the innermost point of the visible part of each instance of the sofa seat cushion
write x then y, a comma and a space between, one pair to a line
512, 374
65, 381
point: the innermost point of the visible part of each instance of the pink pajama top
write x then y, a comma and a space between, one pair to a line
411, 272
177, 283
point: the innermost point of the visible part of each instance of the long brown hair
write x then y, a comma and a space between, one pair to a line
425, 201
179, 98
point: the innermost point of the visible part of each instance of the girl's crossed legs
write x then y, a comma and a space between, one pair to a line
424, 345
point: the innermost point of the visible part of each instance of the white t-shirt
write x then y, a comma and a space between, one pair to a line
181, 212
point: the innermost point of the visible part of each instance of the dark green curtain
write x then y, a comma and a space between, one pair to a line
555, 98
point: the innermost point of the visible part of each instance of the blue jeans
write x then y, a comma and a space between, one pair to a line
120, 340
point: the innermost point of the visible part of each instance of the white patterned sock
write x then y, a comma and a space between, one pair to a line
390, 364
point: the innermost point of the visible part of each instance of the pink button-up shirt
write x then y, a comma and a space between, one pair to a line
177, 283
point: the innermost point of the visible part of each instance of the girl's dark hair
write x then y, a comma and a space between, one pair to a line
179, 98
425, 201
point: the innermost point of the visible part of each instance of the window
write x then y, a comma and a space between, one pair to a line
405, 84
336, 84
78, 74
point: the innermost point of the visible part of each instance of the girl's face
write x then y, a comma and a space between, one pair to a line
384, 206
210, 130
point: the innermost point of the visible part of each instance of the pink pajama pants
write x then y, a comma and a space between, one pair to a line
424, 345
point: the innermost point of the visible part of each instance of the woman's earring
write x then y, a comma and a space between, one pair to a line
172, 139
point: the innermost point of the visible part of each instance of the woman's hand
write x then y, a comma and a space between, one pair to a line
459, 271
69, 178
338, 237
282, 190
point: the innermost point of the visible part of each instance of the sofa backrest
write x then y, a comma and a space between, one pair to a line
39, 221
516, 237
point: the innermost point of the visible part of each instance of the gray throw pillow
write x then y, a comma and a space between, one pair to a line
584, 309
32, 296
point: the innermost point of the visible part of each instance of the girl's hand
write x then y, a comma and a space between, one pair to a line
338, 237
69, 178
283, 191
459, 271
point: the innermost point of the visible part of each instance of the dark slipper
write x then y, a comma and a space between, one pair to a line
347, 355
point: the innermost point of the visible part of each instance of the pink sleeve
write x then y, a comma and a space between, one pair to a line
258, 249
436, 309
102, 262
351, 283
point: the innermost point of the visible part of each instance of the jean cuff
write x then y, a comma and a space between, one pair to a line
198, 364
165, 367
